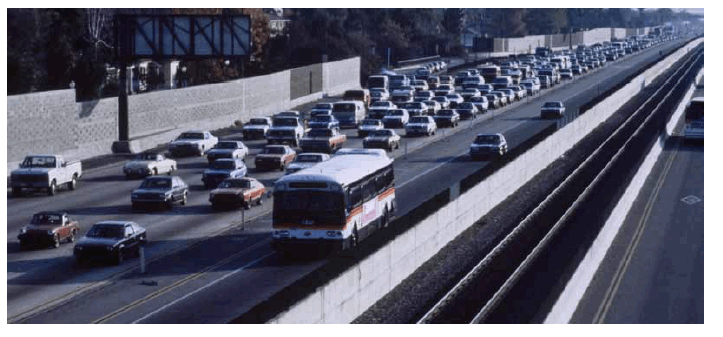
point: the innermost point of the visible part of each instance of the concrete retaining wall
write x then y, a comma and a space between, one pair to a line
350, 294
53, 122
527, 44
568, 300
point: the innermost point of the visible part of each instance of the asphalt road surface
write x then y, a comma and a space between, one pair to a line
203, 266
653, 271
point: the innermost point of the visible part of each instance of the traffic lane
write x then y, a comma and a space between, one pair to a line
663, 281
165, 281
265, 220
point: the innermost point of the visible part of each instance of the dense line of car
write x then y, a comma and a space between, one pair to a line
415, 104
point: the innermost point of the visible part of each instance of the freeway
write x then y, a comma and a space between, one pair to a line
653, 271
228, 268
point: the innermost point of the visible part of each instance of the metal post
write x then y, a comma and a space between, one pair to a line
243, 218
142, 256
123, 103
389, 51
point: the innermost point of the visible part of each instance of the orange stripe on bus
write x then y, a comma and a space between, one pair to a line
386, 193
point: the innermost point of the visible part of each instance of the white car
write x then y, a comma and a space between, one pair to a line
432, 107
148, 163
386, 139
228, 149
369, 125
421, 125
306, 160
321, 109
396, 118
193, 142
442, 100
257, 128
454, 99
379, 109
486, 144
552, 109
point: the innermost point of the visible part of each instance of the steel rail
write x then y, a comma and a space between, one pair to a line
525, 223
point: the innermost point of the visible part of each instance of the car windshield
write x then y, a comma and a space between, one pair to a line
47, 219
319, 133
487, 139
381, 133
105, 231
371, 122
465, 105
235, 183
347, 107
258, 121
191, 135
321, 118
382, 104
396, 112
445, 112
445, 87
375, 94
273, 150
440, 99
308, 158
323, 106
475, 99
39, 161
419, 119
156, 183
285, 122
227, 145
453, 96
552, 105
146, 156
223, 165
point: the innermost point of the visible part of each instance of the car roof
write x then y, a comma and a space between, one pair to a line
113, 222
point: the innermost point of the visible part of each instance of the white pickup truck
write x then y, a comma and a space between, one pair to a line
46, 172
286, 129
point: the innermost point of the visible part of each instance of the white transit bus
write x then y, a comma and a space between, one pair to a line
336, 203
694, 119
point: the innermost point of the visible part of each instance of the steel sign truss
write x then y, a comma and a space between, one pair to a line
183, 36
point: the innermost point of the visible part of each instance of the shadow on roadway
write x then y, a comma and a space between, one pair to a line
692, 145
193, 259
148, 209
113, 178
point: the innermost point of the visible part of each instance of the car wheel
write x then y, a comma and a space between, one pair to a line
170, 171
134, 206
282, 166
155, 171
354, 238
119, 257
260, 200
17, 191
247, 205
51, 189
185, 198
385, 218
56, 241
73, 182
71, 238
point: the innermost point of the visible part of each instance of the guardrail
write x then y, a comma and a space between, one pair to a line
405, 63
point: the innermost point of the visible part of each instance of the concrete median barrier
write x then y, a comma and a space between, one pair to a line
408, 250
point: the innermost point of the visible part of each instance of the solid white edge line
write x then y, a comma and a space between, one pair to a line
202, 288
568, 301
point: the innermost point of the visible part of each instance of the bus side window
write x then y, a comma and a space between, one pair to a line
355, 197
368, 189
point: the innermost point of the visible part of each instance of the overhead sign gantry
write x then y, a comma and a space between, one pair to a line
181, 37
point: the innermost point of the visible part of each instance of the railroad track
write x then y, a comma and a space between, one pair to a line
482, 295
